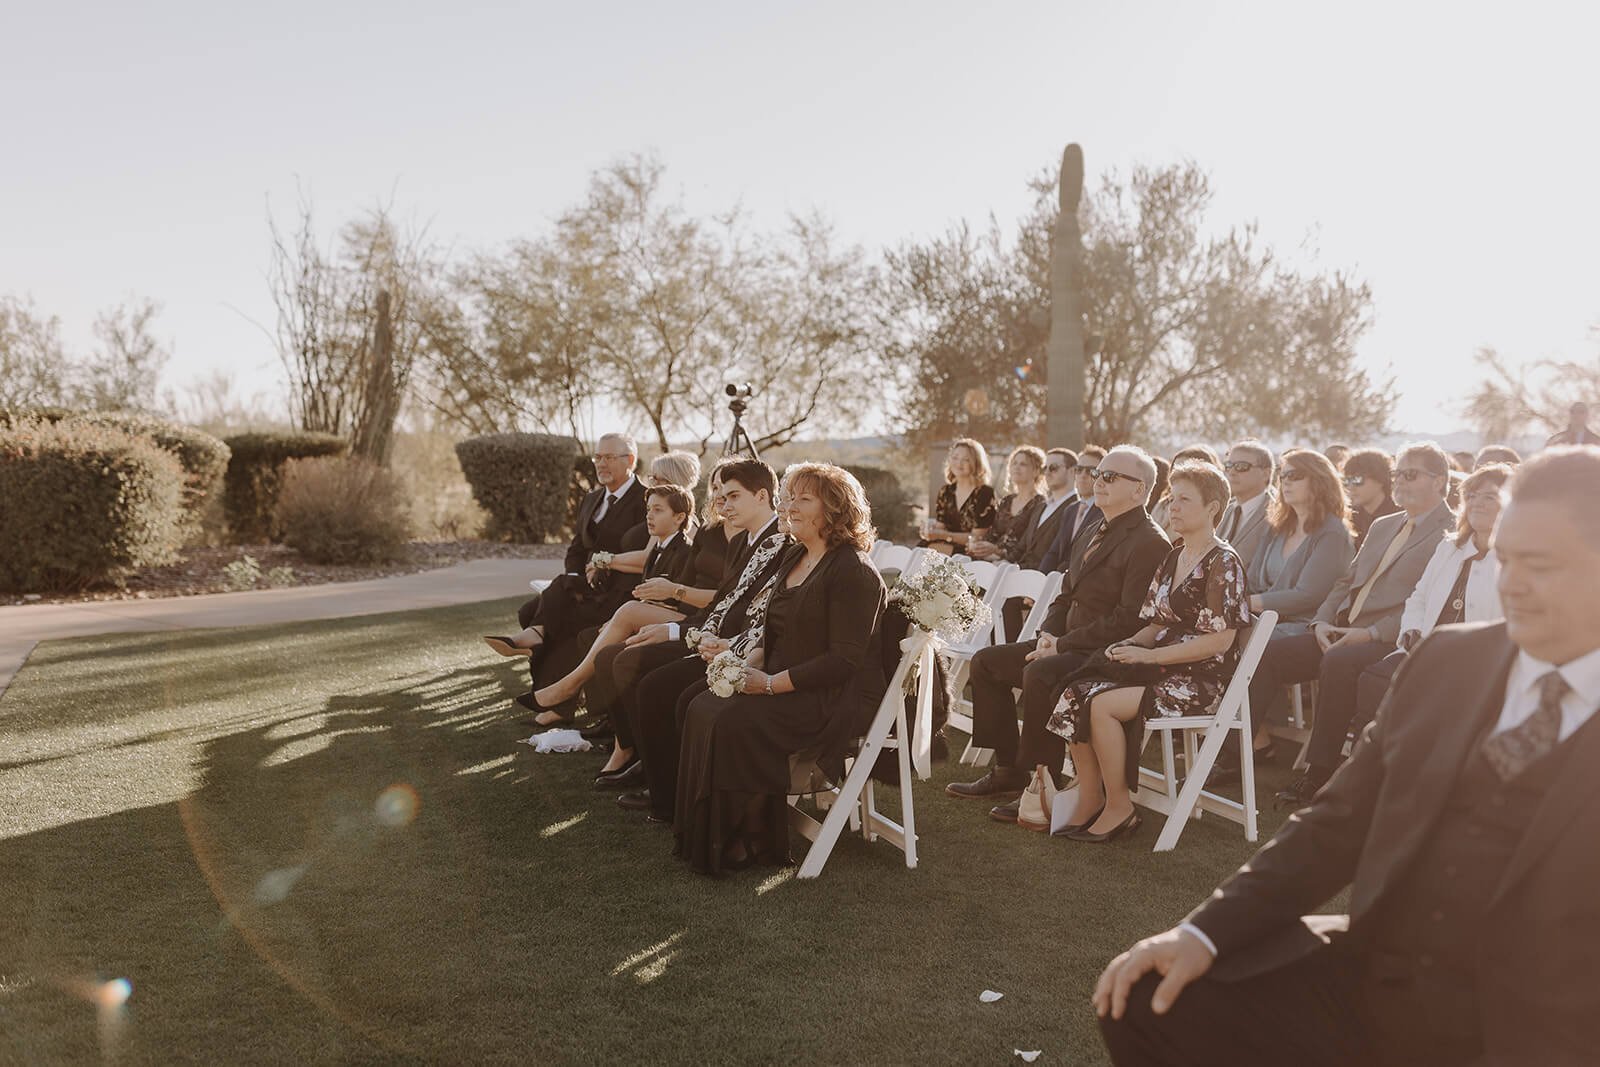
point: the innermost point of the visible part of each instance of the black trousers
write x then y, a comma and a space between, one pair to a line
1373, 686
663, 696
996, 671
1337, 686
624, 668
1326, 1009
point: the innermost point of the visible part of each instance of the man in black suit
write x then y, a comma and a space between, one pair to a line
1029, 548
1100, 603
1082, 518
1465, 824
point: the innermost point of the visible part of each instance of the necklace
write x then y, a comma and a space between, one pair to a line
1190, 556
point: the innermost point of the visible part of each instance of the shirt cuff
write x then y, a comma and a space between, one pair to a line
1200, 935
672, 631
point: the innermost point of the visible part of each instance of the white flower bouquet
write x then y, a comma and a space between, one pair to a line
601, 561
942, 600
725, 674
692, 637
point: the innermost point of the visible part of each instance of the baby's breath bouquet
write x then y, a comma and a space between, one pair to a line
942, 600
725, 674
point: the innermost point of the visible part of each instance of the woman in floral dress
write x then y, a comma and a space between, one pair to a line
1179, 664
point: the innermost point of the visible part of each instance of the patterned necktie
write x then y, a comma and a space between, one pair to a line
605, 508
1094, 543
1511, 751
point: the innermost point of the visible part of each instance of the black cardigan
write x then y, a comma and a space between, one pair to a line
828, 639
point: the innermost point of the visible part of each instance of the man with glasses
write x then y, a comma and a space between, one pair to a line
1359, 622
1081, 517
611, 520
1244, 523
1028, 550
1107, 581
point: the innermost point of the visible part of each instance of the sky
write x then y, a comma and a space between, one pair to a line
1445, 153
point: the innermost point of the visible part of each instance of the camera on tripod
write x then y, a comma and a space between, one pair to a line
738, 402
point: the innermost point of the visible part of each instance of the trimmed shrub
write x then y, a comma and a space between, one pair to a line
203, 457
84, 504
339, 509
255, 476
891, 504
529, 483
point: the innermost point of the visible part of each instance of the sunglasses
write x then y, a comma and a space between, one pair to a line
1292, 475
1112, 477
1411, 474
1085, 468
1240, 465
1355, 481
1056, 467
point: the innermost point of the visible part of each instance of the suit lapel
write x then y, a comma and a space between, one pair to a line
586, 512
1087, 563
1044, 532
1433, 761
1569, 794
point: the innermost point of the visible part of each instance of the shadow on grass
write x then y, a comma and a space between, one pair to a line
381, 872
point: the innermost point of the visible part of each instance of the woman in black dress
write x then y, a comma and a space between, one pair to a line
965, 506
809, 688
1179, 664
1014, 516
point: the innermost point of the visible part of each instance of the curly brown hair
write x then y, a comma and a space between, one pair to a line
1327, 492
847, 517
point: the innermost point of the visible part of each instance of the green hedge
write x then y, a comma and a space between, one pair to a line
891, 504
529, 483
255, 476
338, 509
203, 457
83, 504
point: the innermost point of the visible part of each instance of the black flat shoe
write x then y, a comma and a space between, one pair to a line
659, 820
1122, 829
1006, 812
599, 730
1078, 827
630, 773
639, 801
506, 647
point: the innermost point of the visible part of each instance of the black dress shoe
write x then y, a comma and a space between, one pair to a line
1298, 793
639, 801
1005, 812
629, 774
659, 820
1123, 828
599, 729
1000, 782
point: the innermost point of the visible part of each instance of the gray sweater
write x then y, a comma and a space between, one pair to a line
1308, 575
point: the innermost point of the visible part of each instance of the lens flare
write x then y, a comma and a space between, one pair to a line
114, 994
397, 805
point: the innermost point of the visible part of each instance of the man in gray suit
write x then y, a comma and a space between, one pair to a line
1359, 622
1244, 522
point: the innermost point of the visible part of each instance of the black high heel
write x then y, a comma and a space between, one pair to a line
531, 702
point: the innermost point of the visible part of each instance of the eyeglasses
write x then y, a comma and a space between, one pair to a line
599, 456
1085, 468
1055, 466
1411, 474
1112, 477
1241, 465
1292, 475
1355, 481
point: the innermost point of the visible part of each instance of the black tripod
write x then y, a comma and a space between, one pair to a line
739, 442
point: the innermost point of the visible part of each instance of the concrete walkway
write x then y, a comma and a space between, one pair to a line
25, 625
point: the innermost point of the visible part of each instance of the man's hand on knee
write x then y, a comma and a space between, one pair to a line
653, 634
1177, 955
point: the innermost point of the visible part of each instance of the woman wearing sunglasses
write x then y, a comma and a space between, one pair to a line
1369, 482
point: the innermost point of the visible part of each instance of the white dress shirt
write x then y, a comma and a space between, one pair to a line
1427, 600
605, 501
1522, 700
1051, 504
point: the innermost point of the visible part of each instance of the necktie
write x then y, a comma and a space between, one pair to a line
1389, 554
1233, 524
604, 508
1094, 543
1510, 752
650, 562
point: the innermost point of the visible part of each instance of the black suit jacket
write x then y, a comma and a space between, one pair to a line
1061, 549
1537, 977
610, 533
740, 549
1033, 545
1104, 593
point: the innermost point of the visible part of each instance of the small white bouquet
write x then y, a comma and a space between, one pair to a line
692, 637
942, 600
725, 674
601, 562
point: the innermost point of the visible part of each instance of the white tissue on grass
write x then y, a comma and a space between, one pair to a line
558, 741
1027, 1057
989, 996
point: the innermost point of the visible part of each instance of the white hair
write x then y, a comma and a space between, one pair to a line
1141, 460
625, 438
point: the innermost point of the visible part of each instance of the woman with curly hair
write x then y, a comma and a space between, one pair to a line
809, 684
964, 509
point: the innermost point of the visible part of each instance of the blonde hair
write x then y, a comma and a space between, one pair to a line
980, 459
846, 515
677, 468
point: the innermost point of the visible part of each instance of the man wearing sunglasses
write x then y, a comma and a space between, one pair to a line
1105, 589
1244, 521
1081, 517
1359, 622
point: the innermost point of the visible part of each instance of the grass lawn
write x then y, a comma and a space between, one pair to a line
319, 842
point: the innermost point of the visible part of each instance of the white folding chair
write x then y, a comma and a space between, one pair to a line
1302, 696
855, 802
877, 550
892, 558
1159, 790
1042, 589
921, 559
